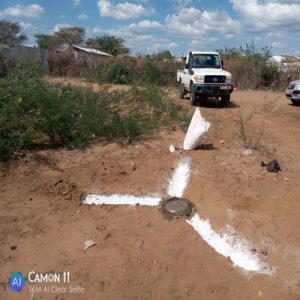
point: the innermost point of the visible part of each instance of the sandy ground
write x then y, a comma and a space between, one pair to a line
138, 253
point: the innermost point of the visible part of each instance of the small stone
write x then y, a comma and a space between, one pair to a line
88, 244
247, 152
172, 149
286, 179
222, 142
14, 247
133, 166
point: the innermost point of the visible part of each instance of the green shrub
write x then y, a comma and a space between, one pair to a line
3, 68
92, 73
269, 73
118, 73
33, 112
5, 150
152, 74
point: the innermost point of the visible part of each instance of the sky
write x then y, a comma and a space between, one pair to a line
149, 26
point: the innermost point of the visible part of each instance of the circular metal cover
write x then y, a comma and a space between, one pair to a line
178, 207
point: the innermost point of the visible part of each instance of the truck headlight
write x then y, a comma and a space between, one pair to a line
228, 79
199, 77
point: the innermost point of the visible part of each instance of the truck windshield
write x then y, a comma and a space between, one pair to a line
206, 61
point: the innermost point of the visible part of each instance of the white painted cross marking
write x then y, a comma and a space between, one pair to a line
228, 244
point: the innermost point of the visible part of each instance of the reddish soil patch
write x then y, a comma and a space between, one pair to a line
140, 254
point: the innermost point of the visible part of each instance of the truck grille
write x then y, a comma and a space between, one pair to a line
214, 79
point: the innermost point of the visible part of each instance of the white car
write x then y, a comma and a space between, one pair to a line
293, 92
204, 77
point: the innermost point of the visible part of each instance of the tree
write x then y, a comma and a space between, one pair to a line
164, 54
109, 44
47, 41
229, 52
71, 35
10, 34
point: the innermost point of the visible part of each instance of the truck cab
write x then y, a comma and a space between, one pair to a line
204, 77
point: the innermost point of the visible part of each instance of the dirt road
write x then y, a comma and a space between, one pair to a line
138, 253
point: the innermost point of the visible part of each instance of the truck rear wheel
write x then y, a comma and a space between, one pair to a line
181, 90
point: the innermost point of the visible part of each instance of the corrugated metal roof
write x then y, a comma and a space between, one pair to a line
278, 58
90, 50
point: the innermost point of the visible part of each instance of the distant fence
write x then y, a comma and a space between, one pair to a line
25, 53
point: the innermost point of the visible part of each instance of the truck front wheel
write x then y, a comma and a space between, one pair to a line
193, 97
225, 100
181, 90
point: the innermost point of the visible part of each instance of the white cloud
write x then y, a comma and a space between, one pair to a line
26, 26
92, 32
28, 11
76, 2
200, 43
82, 17
96, 30
167, 46
180, 4
273, 34
191, 22
277, 45
266, 16
62, 25
122, 11
29, 29
143, 43
145, 24
284, 1
157, 47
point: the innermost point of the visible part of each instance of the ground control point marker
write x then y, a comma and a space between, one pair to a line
197, 128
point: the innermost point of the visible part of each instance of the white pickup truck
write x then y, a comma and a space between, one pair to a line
204, 77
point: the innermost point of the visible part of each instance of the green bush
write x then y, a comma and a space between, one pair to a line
5, 150
33, 112
3, 68
152, 74
251, 67
92, 73
118, 73
269, 73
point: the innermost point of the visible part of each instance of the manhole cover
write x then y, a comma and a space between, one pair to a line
177, 207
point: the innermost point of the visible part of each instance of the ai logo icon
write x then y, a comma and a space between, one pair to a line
16, 282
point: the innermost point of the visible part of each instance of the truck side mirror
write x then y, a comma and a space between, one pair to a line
222, 64
186, 66
191, 72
